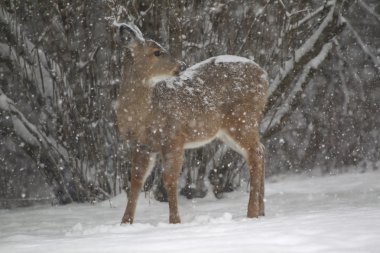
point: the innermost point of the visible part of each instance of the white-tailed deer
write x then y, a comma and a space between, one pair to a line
164, 111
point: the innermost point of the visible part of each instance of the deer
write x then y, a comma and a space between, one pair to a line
164, 108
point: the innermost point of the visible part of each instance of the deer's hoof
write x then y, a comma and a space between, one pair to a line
174, 220
126, 220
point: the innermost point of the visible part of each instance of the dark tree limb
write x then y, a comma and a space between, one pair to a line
328, 29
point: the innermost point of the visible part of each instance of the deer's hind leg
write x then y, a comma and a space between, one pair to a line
247, 142
260, 154
142, 163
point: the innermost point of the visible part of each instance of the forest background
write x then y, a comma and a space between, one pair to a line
60, 75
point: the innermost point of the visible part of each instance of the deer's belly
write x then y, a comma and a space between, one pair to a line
199, 143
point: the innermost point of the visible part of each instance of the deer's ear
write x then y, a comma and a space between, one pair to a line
128, 35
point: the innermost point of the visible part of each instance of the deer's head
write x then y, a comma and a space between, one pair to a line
150, 59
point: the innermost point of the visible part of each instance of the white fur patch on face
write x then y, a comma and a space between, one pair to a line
156, 79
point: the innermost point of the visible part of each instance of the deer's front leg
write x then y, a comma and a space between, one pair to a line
142, 161
172, 169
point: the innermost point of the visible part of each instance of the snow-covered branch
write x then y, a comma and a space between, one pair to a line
328, 28
27, 131
51, 157
280, 117
32, 62
299, 53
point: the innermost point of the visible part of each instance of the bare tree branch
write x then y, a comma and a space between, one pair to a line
363, 46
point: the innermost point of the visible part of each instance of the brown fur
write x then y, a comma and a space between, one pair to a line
163, 117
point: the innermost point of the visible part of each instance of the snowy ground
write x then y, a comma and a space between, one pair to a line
320, 214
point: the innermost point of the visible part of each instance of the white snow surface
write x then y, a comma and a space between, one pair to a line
338, 213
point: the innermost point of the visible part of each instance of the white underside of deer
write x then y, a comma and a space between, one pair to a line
162, 111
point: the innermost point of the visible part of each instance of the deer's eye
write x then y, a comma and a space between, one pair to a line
157, 53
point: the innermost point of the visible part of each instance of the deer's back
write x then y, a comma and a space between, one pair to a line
214, 87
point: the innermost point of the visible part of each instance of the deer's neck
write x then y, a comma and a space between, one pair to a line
134, 108
136, 93
135, 96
